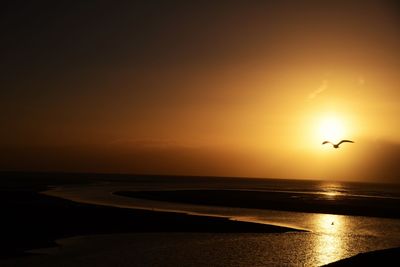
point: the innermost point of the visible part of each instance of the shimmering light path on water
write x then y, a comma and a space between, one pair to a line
330, 237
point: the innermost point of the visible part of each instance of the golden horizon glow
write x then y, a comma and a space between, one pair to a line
255, 93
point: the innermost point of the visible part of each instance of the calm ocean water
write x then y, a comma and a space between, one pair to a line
329, 237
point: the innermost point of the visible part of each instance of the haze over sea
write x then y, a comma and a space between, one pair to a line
328, 236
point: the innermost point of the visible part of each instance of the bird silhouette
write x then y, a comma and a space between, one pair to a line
338, 144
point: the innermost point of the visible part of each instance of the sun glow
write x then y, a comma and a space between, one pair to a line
332, 129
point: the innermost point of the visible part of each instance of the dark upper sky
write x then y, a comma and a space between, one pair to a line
124, 85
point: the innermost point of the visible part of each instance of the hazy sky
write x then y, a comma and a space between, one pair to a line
231, 88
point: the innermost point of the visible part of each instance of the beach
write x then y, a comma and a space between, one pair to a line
89, 220
285, 201
388, 257
33, 220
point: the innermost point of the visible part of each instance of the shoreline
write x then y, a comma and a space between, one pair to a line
34, 220
371, 258
292, 202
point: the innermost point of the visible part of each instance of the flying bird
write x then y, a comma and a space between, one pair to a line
338, 144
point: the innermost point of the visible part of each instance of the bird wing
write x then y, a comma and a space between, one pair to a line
326, 142
345, 141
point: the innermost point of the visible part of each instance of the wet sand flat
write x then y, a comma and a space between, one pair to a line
293, 201
33, 220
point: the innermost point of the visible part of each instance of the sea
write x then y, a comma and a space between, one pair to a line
327, 237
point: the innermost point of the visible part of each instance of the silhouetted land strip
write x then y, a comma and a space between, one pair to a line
33, 220
386, 257
301, 202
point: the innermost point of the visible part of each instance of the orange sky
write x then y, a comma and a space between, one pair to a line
203, 89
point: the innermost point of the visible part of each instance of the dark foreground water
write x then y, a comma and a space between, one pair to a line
329, 238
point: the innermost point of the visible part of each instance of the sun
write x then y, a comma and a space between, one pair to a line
332, 129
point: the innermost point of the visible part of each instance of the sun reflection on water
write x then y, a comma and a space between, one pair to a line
331, 190
331, 195
329, 244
